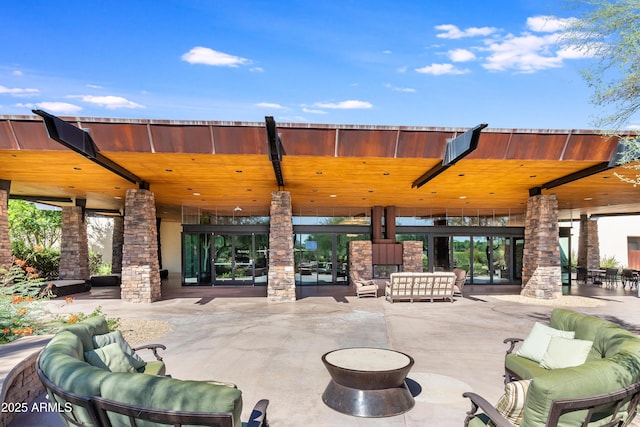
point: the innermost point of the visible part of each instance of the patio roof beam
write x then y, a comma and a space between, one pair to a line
456, 149
274, 144
613, 162
80, 141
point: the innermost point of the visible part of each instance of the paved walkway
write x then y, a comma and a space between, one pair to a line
273, 350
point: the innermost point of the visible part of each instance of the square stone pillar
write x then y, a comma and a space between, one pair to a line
5, 242
541, 272
117, 242
281, 284
140, 269
74, 248
412, 256
360, 259
588, 243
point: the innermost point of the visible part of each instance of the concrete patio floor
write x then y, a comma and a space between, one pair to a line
273, 350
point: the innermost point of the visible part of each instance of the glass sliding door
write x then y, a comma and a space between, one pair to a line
225, 259
197, 249
481, 260
501, 259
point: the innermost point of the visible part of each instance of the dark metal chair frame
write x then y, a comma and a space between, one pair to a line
97, 409
104, 406
560, 407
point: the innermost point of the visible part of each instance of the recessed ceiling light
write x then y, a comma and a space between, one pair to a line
318, 172
333, 195
196, 194
463, 197
168, 170
118, 198
588, 198
532, 176
386, 174
77, 169
460, 174
238, 171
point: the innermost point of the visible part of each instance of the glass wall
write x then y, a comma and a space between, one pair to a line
321, 258
225, 258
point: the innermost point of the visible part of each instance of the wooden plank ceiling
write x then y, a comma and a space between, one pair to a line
337, 170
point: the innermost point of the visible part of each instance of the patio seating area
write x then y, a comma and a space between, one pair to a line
273, 350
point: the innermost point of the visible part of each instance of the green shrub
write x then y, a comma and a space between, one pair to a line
45, 261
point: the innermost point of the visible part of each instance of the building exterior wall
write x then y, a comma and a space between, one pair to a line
170, 233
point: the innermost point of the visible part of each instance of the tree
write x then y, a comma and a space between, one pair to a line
32, 227
609, 31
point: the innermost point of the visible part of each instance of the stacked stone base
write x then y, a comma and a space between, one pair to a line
545, 283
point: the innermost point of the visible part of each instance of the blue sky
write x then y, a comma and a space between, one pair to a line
407, 63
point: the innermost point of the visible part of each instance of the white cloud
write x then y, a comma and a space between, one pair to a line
17, 91
110, 102
387, 52
257, 69
270, 105
548, 24
312, 111
399, 89
526, 53
55, 107
17, 73
92, 86
402, 69
440, 69
453, 32
204, 55
345, 105
461, 55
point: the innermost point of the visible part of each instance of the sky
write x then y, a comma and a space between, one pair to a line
448, 63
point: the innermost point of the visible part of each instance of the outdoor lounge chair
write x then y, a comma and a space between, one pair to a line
461, 278
365, 287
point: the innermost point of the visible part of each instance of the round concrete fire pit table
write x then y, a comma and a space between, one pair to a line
368, 382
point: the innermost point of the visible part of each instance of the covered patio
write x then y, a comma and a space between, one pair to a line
273, 351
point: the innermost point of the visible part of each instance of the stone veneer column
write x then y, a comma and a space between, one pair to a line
412, 256
360, 259
281, 284
117, 242
140, 270
588, 243
74, 249
541, 274
5, 241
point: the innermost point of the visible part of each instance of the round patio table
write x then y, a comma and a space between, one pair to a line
368, 382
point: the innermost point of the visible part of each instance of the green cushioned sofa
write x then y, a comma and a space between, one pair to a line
84, 392
604, 390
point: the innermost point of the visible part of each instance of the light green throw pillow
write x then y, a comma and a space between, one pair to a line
116, 337
110, 357
565, 353
536, 343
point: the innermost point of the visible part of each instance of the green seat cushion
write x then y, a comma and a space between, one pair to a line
589, 379
86, 329
523, 367
170, 394
155, 367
